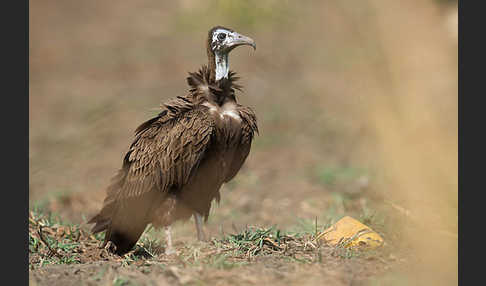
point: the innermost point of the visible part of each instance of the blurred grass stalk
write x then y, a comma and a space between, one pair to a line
411, 112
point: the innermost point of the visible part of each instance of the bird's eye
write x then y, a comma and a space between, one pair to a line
221, 36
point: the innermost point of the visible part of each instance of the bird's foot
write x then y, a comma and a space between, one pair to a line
170, 251
109, 246
201, 237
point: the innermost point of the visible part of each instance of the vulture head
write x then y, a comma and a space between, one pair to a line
221, 41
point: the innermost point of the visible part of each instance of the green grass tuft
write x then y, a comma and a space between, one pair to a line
335, 176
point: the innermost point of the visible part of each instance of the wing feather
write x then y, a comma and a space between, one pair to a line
164, 155
249, 127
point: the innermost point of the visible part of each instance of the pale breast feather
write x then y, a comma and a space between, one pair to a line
231, 113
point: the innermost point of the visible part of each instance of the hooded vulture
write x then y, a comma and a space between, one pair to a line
179, 159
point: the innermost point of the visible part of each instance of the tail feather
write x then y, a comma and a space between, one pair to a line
103, 219
100, 224
124, 223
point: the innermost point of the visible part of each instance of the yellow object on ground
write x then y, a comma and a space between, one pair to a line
350, 233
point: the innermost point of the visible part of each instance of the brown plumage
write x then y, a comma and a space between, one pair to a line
179, 159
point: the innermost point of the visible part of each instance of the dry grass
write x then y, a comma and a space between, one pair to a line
52, 243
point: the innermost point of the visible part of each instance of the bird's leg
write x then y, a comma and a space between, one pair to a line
168, 249
200, 233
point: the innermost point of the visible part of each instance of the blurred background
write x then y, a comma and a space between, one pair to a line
356, 104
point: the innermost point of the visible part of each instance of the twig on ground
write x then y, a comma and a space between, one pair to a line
44, 241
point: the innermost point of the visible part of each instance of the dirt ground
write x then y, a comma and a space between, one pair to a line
280, 259
357, 109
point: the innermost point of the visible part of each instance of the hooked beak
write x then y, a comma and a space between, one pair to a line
240, 40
